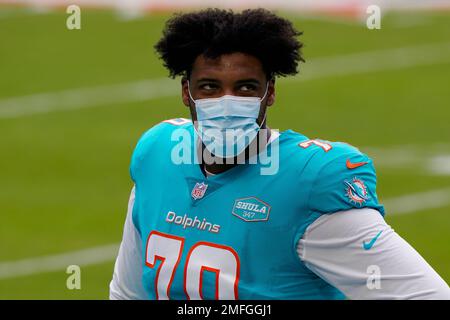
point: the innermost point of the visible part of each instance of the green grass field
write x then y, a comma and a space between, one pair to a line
64, 180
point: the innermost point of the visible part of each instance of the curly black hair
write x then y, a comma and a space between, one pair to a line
213, 32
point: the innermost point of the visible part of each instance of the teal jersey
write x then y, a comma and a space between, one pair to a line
234, 235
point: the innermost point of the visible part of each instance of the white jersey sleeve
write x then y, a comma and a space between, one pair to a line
127, 277
357, 252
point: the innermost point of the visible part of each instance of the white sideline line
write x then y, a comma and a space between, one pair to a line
335, 19
373, 61
144, 90
417, 201
86, 257
87, 97
96, 255
440, 164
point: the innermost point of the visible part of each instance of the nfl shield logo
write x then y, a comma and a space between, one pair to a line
199, 190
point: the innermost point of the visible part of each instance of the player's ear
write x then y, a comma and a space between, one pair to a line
271, 92
184, 91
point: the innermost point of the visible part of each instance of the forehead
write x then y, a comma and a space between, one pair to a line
235, 65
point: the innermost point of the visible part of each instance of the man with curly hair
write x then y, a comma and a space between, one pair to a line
206, 221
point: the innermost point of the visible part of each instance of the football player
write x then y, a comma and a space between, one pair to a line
209, 219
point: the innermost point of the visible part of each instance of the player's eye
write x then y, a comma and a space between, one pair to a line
247, 88
208, 87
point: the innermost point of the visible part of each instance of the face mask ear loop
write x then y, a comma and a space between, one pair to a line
195, 124
267, 90
264, 96
189, 90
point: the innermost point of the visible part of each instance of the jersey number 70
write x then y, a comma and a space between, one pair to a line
202, 256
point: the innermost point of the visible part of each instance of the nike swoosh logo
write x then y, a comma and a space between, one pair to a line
354, 165
369, 245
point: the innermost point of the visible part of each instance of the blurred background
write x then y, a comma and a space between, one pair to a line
73, 103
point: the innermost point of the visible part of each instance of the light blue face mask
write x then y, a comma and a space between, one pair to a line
227, 125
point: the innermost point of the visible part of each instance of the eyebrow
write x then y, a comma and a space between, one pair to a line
250, 80
208, 80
